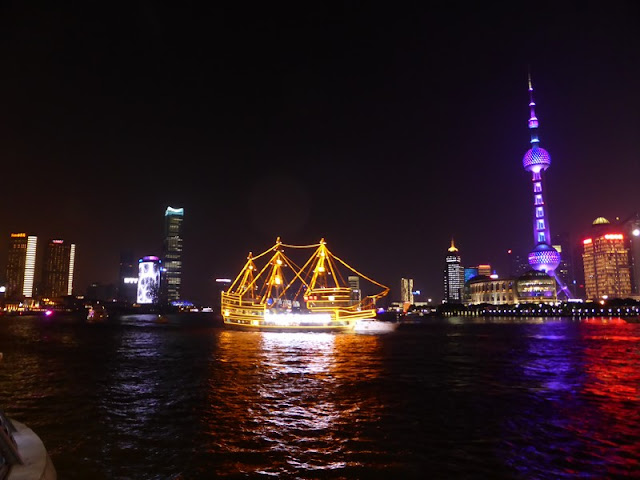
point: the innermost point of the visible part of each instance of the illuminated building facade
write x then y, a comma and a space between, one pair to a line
543, 257
21, 266
172, 253
128, 278
469, 273
453, 276
607, 270
57, 269
536, 287
531, 287
484, 269
406, 290
148, 280
484, 289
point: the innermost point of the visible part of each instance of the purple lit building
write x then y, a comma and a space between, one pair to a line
543, 257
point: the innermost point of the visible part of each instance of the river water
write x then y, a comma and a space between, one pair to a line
456, 397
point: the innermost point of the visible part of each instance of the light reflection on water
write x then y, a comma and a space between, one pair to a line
282, 414
450, 398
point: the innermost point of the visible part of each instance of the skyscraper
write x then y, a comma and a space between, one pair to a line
21, 266
172, 253
537, 160
607, 271
354, 285
128, 281
406, 290
632, 230
57, 269
563, 244
453, 276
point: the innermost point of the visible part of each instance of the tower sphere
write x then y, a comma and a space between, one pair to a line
544, 258
536, 159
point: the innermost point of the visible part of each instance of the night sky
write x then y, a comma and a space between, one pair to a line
386, 128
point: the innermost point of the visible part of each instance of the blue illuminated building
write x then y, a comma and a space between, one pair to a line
469, 273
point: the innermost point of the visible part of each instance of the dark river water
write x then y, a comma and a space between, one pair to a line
448, 398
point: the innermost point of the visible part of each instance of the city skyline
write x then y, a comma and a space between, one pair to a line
386, 132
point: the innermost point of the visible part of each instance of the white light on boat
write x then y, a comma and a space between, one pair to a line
287, 319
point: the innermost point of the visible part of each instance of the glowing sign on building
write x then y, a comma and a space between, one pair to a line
72, 262
148, 280
30, 266
614, 236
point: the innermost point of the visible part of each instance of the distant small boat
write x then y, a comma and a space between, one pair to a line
162, 319
97, 313
372, 325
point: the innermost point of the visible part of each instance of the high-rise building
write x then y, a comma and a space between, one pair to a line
221, 285
607, 270
128, 278
57, 269
172, 253
518, 263
21, 266
453, 276
543, 257
354, 285
406, 290
565, 271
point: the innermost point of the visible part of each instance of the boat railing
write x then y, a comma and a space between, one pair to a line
9, 455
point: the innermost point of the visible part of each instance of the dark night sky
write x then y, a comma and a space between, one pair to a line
385, 128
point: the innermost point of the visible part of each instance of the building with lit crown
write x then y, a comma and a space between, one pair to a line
453, 276
172, 254
607, 270
536, 160
21, 266
57, 269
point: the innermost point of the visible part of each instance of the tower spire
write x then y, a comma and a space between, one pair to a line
452, 248
533, 120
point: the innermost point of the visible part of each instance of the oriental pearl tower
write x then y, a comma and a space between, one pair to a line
537, 160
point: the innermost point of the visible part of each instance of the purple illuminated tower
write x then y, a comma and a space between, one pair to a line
543, 257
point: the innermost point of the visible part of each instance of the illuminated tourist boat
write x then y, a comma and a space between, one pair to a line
272, 293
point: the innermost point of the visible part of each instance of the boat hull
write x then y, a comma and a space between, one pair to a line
288, 328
